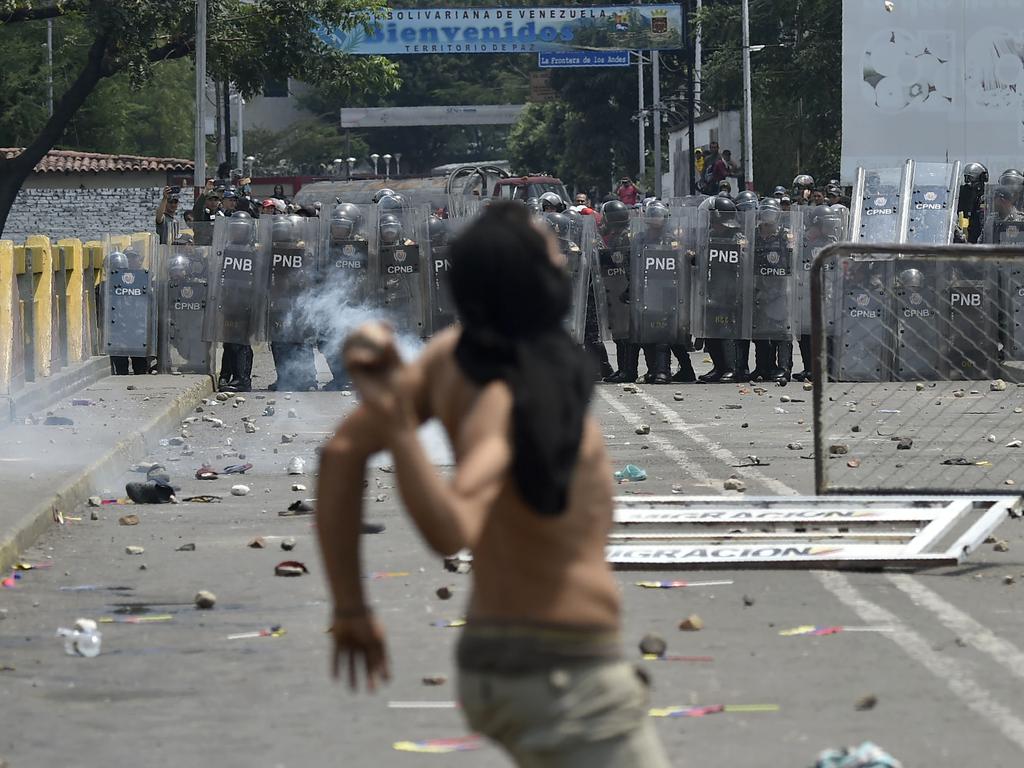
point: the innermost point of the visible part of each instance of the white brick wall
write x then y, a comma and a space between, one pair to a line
83, 213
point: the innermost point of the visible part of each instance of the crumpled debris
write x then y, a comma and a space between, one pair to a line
150, 493
867, 755
205, 600
128, 520
239, 490
997, 386
58, 421
643, 429
692, 623
290, 568
734, 484
631, 473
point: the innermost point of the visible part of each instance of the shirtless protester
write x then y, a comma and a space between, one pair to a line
540, 665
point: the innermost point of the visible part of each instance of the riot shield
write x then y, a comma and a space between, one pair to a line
184, 271
970, 328
1004, 221
346, 279
441, 303
933, 203
917, 294
722, 286
613, 268
294, 245
659, 281
876, 205
239, 269
203, 231
403, 248
821, 226
865, 329
778, 240
578, 245
129, 301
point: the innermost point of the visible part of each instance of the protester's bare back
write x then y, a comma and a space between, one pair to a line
529, 567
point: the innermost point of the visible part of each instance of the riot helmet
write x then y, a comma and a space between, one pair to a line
975, 174
551, 201
240, 229
779, 192
382, 193
135, 260
286, 229
437, 231
1003, 199
911, 279
116, 261
746, 201
803, 181
178, 268
614, 215
722, 211
657, 216
769, 212
533, 204
392, 202
345, 221
832, 220
560, 225
1011, 177
390, 230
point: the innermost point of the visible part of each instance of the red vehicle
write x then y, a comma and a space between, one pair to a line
525, 187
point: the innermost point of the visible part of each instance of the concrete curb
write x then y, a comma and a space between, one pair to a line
77, 490
40, 394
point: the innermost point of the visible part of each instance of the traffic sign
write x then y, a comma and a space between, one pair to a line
583, 59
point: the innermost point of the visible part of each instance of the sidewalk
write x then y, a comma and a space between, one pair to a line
46, 469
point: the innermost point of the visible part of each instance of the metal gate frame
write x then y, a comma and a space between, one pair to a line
819, 347
801, 531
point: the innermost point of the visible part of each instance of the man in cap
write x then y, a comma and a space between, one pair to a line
540, 670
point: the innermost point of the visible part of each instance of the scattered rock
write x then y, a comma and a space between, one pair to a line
997, 386
785, 399
190, 547
838, 449
1014, 444
678, 397
257, 543
760, 391
296, 466
855, 428
131, 387
95, 501
919, 387
795, 446
298, 487
380, 498
1009, 580
290, 568
748, 601
631, 389
131, 549
268, 411
958, 393
176, 441
239, 490
128, 520
864, 703
692, 623
435, 680
853, 463
250, 428
205, 600
223, 397
58, 421
734, 484
288, 437
991, 438
653, 645
643, 429
94, 515
905, 444
1001, 546
678, 489
455, 565
1008, 481
292, 413
288, 544
443, 593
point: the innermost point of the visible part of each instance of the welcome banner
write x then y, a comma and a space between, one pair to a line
514, 30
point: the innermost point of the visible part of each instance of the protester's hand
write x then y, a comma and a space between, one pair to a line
362, 638
372, 359
167, 193
209, 186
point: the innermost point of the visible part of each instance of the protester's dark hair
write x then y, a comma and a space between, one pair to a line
512, 300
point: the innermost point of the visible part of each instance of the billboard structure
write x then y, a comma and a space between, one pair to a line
931, 82
513, 30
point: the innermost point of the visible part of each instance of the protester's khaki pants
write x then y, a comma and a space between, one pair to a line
590, 716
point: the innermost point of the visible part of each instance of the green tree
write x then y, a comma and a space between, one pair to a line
248, 41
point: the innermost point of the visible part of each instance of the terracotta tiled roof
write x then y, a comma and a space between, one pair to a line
68, 161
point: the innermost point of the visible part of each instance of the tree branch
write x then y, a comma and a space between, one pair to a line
50, 11
176, 49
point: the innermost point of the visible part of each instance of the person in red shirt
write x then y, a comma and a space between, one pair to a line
628, 192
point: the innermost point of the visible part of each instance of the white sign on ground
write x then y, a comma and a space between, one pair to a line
932, 82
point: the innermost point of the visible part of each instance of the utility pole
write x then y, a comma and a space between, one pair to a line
690, 98
49, 65
640, 117
200, 127
656, 103
240, 149
748, 131
227, 123
698, 54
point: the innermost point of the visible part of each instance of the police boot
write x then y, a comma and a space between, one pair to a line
599, 353
685, 374
764, 361
719, 367
729, 357
339, 376
118, 365
805, 357
627, 356
659, 364
242, 381
228, 365
742, 366
783, 359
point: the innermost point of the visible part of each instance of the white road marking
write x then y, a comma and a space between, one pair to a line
977, 634
976, 697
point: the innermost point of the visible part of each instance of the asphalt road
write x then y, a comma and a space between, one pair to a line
946, 674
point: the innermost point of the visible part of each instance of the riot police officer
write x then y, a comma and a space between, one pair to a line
654, 234
972, 195
238, 294
292, 275
117, 263
803, 187
773, 287
551, 202
400, 265
343, 274
823, 226
614, 256
186, 296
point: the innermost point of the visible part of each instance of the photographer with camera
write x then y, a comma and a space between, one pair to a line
167, 215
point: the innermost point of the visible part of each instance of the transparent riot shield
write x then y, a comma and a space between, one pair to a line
917, 297
933, 202
129, 300
239, 270
203, 231
821, 226
403, 247
1004, 220
577, 244
613, 267
877, 193
722, 286
291, 309
346, 278
864, 333
441, 302
971, 316
778, 240
659, 281
184, 278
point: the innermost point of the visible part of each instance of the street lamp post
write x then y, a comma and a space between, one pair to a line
350, 162
374, 158
398, 163
387, 166
748, 131
249, 161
